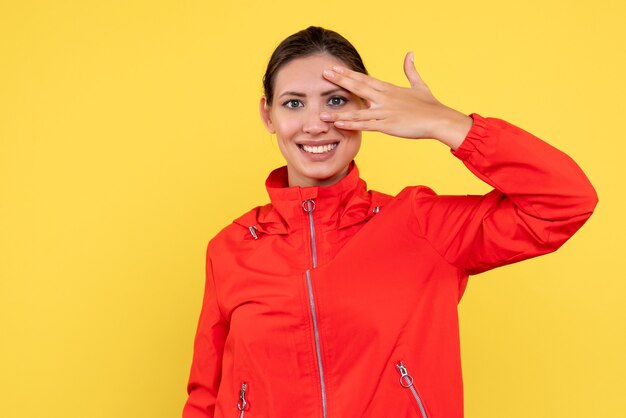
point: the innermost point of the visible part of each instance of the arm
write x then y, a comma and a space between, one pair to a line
205, 376
541, 199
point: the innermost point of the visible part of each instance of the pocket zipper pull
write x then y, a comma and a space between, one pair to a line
406, 380
242, 404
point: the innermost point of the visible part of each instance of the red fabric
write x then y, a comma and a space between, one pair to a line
386, 285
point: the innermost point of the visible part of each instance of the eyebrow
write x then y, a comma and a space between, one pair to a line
326, 93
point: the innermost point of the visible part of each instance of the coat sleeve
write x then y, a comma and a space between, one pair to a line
540, 199
206, 367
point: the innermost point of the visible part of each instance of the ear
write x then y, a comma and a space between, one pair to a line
264, 111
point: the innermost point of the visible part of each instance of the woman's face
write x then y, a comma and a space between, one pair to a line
317, 153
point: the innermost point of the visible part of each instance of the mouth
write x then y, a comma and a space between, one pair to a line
318, 149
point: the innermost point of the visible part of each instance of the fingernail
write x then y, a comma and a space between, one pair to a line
324, 115
338, 69
339, 124
329, 74
412, 57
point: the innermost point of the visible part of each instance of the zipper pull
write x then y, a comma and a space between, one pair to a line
308, 205
253, 230
406, 380
242, 404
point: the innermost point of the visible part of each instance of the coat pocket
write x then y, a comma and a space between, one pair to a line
406, 381
242, 403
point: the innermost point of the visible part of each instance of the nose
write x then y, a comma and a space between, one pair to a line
312, 123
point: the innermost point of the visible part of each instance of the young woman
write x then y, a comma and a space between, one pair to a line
336, 301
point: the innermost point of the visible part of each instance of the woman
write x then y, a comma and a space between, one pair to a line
335, 301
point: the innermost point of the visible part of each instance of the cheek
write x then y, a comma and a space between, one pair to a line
355, 143
286, 127
353, 136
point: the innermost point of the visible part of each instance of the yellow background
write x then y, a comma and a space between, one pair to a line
129, 136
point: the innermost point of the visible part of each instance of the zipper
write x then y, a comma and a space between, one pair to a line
309, 207
406, 381
242, 403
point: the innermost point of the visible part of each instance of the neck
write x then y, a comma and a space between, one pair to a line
302, 181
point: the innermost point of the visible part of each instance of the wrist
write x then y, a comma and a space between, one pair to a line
452, 128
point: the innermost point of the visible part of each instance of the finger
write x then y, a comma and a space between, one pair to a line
357, 86
352, 115
411, 73
375, 83
365, 125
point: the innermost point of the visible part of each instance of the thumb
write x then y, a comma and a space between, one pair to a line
410, 71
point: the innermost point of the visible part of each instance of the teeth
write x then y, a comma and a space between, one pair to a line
319, 149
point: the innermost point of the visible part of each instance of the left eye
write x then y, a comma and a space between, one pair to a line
337, 101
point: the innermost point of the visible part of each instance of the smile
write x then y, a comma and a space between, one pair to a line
318, 149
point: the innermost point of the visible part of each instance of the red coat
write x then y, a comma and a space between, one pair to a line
342, 302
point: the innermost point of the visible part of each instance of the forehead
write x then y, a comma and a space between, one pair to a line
305, 73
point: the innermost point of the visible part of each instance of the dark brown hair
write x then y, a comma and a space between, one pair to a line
310, 41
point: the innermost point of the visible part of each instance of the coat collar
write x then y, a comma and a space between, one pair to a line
340, 205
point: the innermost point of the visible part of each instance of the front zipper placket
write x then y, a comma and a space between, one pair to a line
406, 380
309, 207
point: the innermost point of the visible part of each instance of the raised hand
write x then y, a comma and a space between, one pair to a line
399, 111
